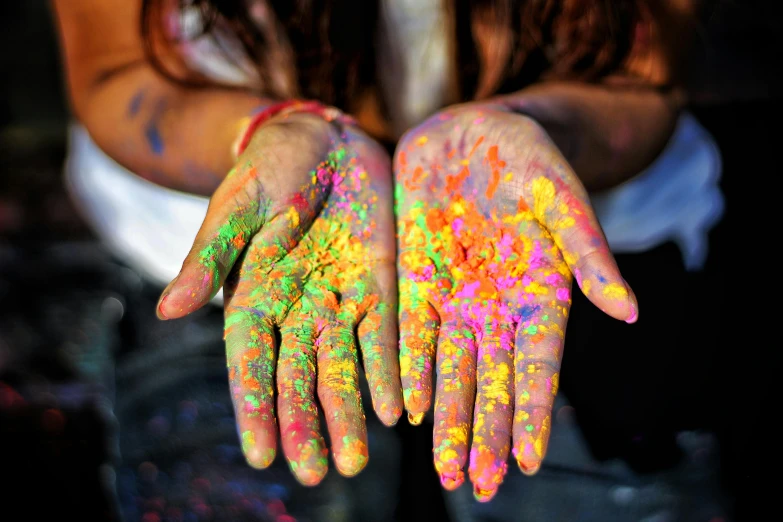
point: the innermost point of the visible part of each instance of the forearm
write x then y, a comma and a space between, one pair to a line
607, 133
170, 134
173, 136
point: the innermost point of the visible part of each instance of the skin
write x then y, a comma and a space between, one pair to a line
492, 225
181, 137
302, 242
171, 134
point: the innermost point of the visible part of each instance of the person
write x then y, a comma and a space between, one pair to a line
505, 116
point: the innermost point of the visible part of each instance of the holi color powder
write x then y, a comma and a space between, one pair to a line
314, 277
489, 234
134, 106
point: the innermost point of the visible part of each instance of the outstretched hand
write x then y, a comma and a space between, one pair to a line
492, 224
301, 237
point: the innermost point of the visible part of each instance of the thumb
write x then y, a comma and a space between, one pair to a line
559, 201
239, 211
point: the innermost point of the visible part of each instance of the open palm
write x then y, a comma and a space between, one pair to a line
301, 238
492, 223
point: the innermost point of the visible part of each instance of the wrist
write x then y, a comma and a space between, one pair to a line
284, 110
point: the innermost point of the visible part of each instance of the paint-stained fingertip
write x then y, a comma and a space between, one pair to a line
483, 495
173, 306
415, 419
159, 310
451, 480
417, 403
310, 476
259, 458
389, 415
527, 467
633, 305
634, 316
183, 297
350, 465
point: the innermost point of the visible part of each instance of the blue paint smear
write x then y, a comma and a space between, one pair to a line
153, 138
527, 312
135, 104
601, 278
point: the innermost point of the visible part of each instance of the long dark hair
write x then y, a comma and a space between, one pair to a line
332, 42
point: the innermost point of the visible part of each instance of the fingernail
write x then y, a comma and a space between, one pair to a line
634, 314
161, 314
452, 480
631, 303
483, 495
415, 420
528, 468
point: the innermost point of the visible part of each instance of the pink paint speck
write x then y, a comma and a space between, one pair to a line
426, 274
552, 279
469, 290
564, 294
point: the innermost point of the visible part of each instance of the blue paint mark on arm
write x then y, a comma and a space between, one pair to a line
135, 103
152, 131
154, 139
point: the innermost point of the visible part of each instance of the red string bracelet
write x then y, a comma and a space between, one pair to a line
326, 112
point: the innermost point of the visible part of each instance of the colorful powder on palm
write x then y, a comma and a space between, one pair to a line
481, 280
316, 290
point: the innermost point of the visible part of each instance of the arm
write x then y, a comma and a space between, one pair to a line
172, 135
611, 131
608, 134
299, 173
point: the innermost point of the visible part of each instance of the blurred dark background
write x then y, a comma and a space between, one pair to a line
66, 306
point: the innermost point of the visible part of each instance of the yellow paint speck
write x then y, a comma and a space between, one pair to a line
293, 216
615, 291
586, 286
543, 197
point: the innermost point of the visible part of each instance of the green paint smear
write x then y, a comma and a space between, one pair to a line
248, 441
252, 399
399, 193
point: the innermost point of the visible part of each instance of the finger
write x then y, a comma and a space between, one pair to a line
494, 409
250, 353
338, 392
537, 357
456, 389
303, 445
559, 201
418, 333
236, 213
377, 334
